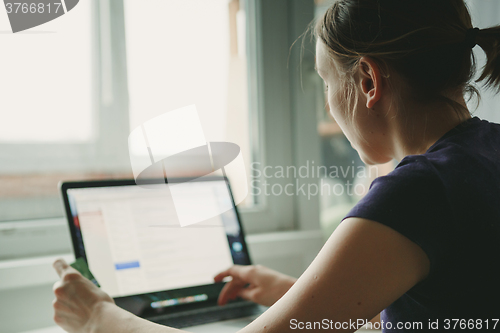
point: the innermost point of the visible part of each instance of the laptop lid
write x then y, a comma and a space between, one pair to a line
139, 253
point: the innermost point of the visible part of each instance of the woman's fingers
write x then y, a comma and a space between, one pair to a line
233, 271
244, 272
250, 293
230, 291
64, 313
238, 286
221, 275
57, 285
224, 293
62, 307
60, 266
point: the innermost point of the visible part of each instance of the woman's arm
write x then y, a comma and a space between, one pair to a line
111, 318
363, 268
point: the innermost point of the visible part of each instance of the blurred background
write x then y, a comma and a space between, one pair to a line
74, 88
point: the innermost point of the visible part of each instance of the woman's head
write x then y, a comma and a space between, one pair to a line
389, 55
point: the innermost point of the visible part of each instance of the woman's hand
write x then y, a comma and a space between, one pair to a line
77, 299
255, 283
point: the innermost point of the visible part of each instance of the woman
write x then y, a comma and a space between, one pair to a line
423, 245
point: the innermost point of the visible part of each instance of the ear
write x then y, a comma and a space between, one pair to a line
370, 81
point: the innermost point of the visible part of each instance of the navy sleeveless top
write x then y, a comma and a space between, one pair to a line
447, 201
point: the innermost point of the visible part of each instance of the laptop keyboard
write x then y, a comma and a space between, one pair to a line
209, 315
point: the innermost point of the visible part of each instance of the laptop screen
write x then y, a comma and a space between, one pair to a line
133, 243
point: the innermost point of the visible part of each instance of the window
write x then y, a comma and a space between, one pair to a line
190, 52
484, 14
52, 126
119, 63
36, 67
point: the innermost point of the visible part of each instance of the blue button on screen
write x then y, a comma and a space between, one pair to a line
127, 265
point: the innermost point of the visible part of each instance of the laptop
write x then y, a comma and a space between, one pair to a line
132, 241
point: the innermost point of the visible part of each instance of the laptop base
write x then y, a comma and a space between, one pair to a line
209, 315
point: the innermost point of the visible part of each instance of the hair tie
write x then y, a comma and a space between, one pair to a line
470, 37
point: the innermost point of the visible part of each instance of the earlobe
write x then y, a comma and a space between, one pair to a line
372, 99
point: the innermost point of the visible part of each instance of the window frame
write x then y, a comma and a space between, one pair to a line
283, 82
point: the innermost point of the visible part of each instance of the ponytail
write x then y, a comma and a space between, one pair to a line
489, 40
